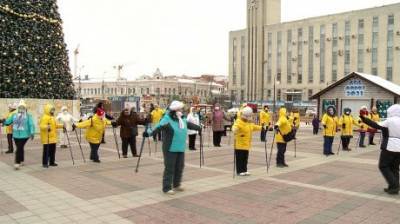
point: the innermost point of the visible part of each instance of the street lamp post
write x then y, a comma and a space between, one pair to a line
274, 106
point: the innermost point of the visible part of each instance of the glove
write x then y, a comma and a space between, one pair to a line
32, 137
73, 127
362, 126
276, 127
324, 126
80, 120
146, 134
295, 119
270, 129
2, 121
343, 125
114, 124
48, 128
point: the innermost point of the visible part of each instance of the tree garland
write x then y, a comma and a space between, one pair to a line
32, 16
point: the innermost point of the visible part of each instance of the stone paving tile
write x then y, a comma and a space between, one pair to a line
342, 175
9, 205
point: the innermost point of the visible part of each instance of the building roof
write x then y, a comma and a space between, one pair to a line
375, 80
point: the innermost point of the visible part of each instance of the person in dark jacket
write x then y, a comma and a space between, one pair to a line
129, 130
109, 117
389, 160
315, 124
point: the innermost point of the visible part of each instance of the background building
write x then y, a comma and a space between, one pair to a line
300, 58
156, 88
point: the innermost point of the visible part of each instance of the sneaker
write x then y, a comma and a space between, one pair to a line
135, 155
63, 146
16, 166
179, 189
242, 174
96, 161
45, 166
170, 192
393, 191
9, 152
280, 165
124, 156
372, 143
331, 153
54, 164
285, 165
248, 173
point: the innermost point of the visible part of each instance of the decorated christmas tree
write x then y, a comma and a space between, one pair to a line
33, 55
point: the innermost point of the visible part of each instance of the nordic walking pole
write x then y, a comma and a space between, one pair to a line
209, 136
70, 148
266, 154
229, 136
48, 143
148, 142
141, 151
116, 142
358, 140
340, 143
80, 146
295, 148
270, 153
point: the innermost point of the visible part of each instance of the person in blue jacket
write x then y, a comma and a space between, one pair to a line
23, 129
174, 127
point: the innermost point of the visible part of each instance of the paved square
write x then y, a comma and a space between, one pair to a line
346, 188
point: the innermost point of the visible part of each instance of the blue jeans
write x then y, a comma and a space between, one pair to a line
328, 141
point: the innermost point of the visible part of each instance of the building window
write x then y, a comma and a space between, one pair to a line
310, 54
269, 93
375, 43
242, 60
241, 95
322, 55
310, 93
389, 54
234, 52
347, 34
334, 51
279, 56
278, 95
289, 57
300, 56
269, 71
360, 51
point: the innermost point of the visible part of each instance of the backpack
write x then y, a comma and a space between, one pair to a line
289, 136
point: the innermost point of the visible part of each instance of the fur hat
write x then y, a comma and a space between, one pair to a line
176, 105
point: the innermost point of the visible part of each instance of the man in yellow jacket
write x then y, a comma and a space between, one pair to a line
243, 130
95, 128
330, 123
374, 116
282, 127
156, 116
9, 129
265, 122
346, 123
48, 135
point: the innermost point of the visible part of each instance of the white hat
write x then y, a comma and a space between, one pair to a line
247, 112
176, 105
64, 108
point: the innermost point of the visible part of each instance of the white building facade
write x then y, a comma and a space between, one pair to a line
300, 58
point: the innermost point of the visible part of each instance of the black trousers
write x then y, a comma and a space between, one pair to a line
49, 154
174, 163
242, 157
280, 157
315, 130
263, 134
157, 136
94, 151
192, 142
217, 137
19, 153
10, 143
345, 142
389, 166
362, 138
371, 137
129, 142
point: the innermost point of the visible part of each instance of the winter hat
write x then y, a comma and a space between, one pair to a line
176, 105
100, 112
363, 111
64, 108
22, 103
347, 110
394, 111
247, 112
12, 106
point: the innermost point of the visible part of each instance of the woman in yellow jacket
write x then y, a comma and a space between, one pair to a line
282, 127
48, 135
156, 116
374, 116
265, 121
243, 130
347, 121
95, 128
330, 123
363, 128
9, 129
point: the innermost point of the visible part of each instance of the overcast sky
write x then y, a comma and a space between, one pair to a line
178, 36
